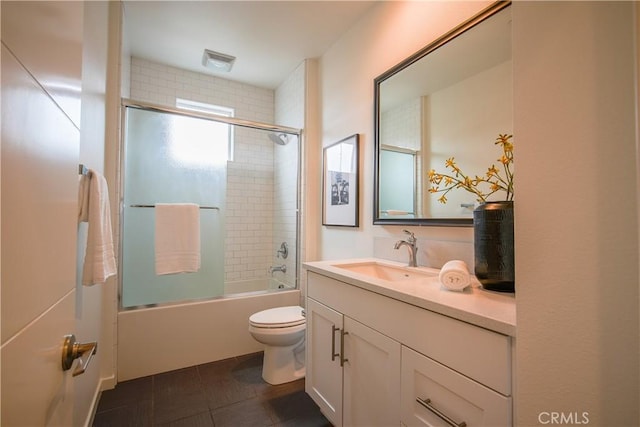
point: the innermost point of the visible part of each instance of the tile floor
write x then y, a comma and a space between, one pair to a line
229, 392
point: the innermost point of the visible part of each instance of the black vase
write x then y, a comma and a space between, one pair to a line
494, 246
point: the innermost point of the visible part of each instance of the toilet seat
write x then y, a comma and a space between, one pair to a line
279, 317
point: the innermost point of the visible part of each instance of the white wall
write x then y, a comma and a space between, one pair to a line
390, 32
92, 312
576, 211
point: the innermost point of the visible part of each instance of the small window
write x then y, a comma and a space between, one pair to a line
202, 107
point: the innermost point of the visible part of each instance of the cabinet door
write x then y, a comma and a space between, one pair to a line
444, 393
371, 377
323, 372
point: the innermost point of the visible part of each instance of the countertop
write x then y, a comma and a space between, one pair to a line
495, 311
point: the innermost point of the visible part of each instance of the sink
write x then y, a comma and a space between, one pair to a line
387, 272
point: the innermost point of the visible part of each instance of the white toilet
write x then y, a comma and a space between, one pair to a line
281, 330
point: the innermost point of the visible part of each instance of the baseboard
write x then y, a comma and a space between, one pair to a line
104, 384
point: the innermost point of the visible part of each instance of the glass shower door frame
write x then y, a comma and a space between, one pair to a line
229, 120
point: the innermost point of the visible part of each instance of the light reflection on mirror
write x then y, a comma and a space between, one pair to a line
340, 158
452, 102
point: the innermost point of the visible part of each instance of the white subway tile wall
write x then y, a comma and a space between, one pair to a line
289, 111
249, 241
162, 84
403, 125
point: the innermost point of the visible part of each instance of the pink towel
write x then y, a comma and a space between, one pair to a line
99, 258
177, 238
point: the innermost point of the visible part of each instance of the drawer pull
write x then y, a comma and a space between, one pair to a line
427, 404
333, 342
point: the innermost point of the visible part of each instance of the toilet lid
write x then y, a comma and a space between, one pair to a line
280, 317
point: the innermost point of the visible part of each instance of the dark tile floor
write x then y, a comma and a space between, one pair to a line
229, 392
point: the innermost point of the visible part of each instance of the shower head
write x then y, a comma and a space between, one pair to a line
279, 138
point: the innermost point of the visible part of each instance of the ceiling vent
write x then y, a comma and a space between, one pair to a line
217, 61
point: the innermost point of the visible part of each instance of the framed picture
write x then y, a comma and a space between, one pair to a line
340, 195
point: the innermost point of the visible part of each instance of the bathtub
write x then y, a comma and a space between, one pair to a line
161, 339
254, 285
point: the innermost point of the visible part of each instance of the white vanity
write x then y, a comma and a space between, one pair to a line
387, 345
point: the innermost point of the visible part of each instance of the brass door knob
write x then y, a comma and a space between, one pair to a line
72, 350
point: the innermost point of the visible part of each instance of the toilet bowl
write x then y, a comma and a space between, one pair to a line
281, 330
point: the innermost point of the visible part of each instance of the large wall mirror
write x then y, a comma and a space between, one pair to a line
451, 99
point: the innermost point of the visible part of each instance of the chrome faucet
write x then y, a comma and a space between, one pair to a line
284, 250
282, 268
410, 243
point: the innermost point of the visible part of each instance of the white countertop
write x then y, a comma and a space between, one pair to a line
495, 311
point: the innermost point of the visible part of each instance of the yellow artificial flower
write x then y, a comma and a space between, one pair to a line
482, 187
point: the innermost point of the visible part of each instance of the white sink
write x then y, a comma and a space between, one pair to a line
391, 273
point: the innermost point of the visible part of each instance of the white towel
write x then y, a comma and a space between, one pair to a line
455, 276
99, 258
83, 197
177, 238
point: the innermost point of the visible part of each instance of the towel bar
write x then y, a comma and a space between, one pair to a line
153, 206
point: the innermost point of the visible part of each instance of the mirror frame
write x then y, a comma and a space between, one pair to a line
460, 29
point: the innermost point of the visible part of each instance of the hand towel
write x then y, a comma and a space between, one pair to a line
177, 238
83, 198
99, 258
455, 276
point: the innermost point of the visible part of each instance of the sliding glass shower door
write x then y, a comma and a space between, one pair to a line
169, 158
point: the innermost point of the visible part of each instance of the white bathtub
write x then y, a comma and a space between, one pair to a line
160, 339
254, 285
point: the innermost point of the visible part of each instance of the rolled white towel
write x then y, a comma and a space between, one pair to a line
455, 276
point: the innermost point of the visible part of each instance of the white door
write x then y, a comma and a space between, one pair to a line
40, 143
323, 371
371, 377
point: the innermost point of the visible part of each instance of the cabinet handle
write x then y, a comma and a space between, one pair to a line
342, 358
333, 342
427, 404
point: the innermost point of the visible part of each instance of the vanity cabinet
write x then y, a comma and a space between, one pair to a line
434, 395
361, 389
401, 364
323, 378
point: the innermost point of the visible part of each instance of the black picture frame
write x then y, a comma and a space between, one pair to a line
340, 189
